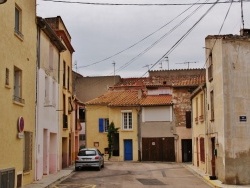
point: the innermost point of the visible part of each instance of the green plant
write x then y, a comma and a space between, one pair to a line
111, 131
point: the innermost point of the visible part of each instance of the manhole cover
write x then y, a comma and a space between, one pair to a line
150, 182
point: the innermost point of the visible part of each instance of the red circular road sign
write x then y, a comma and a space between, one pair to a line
20, 124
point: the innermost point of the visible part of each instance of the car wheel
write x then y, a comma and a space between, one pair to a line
103, 165
99, 168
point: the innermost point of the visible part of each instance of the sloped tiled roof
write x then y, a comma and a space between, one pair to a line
162, 81
117, 98
151, 100
189, 81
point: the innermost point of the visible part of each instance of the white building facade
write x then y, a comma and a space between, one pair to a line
47, 118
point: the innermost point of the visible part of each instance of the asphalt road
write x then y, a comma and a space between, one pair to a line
134, 175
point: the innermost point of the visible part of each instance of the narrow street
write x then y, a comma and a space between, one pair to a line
133, 175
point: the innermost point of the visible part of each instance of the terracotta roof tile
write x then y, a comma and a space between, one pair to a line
156, 100
117, 98
130, 98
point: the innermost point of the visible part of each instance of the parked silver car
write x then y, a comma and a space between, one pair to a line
89, 157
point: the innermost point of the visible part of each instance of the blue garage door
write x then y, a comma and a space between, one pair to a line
128, 150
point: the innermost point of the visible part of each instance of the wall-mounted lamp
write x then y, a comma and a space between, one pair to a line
2, 1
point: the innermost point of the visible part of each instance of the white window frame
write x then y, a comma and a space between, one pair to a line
127, 120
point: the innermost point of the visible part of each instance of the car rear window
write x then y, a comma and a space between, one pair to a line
87, 153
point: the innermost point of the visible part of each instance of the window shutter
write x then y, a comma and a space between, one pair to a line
202, 150
188, 119
101, 127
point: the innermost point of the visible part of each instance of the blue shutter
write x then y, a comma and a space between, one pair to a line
101, 127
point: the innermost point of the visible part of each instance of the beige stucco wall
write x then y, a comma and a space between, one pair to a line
199, 130
93, 113
22, 54
231, 93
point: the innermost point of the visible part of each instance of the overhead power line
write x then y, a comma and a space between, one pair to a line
144, 38
162, 37
183, 37
142, 4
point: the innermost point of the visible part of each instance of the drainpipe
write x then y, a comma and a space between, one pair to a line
139, 132
36, 86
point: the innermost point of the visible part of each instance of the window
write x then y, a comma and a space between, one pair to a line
54, 94
27, 152
202, 149
82, 114
18, 21
68, 77
212, 105
159, 113
127, 121
103, 124
7, 76
210, 68
82, 137
64, 74
7, 178
196, 109
46, 100
202, 107
65, 121
188, 119
18, 85
51, 57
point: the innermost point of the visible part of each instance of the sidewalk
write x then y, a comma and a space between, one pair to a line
205, 177
51, 179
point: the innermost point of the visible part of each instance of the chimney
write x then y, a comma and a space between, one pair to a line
139, 94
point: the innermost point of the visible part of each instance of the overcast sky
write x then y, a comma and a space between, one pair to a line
101, 31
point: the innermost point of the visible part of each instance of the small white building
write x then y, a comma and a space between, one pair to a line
47, 107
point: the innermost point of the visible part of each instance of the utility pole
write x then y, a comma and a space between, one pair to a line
114, 71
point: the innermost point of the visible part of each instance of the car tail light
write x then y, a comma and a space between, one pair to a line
97, 157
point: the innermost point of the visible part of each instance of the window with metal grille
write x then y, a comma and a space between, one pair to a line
202, 149
27, 152
7, 178
127, 121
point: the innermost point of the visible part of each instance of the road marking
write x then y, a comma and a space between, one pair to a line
74, 186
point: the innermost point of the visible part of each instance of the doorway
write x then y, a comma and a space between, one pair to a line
128, 150
186, 145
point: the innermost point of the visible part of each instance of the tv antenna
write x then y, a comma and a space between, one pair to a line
147, 66
187, 62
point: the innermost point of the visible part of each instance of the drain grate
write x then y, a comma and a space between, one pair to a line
150, 182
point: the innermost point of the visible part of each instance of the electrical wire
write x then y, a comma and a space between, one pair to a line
160, 39
137, 4
144, 38
182, 38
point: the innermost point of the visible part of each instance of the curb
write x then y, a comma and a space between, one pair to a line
53, 184
204, 178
